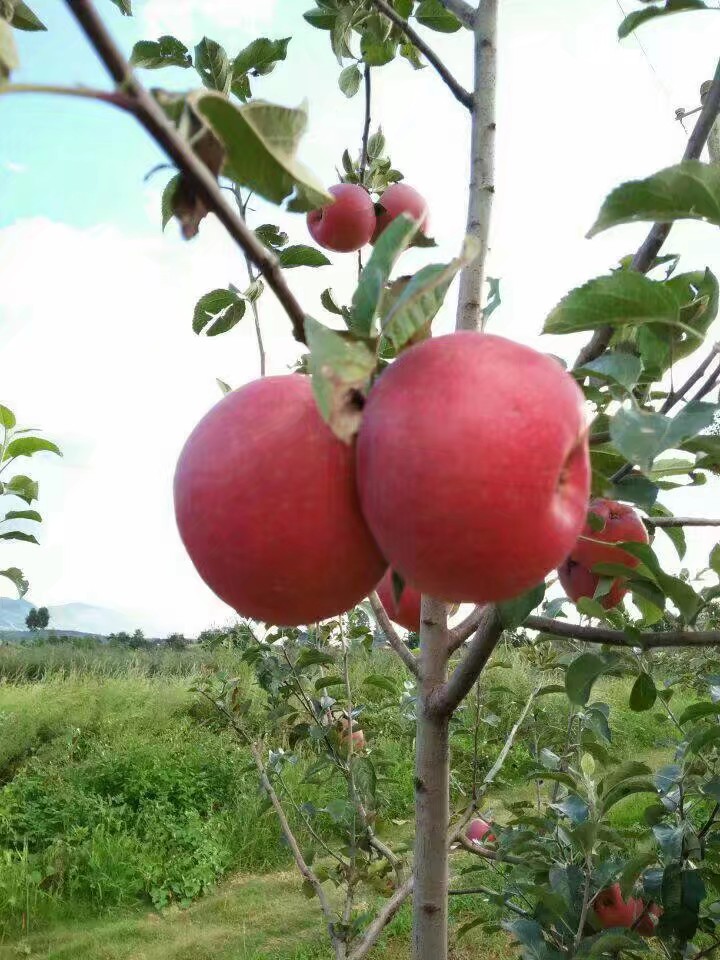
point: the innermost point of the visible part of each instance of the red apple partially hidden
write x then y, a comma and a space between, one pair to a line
346, 225
397, 199
267, 507
619, 523
407, 612
357, 736
612, 910
473, 466
479, 831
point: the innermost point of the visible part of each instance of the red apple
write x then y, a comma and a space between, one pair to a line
612, 911
473, 466
479, 830
620, 523
407, 612
267, 507
346, 225
357, 736
400, 198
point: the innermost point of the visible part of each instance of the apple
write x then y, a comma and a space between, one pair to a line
620, 523
407, 612
357, 736
267, 507
612, 911
397, 199
473, 466
348, 223
479, 830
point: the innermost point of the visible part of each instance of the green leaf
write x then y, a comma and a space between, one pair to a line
412, 313
715, 559
621, 298
626, 789
217, 312
340, 369
22, 487
124, 6
165, 52
322, 682
376, 273
629, 770
18, 535
514, 612
310, 657
27, 446
302, 256
350, 80
16, 577
687, 191
493, 300
22, 515
381, 683
610, 943
633, 20
213, 65
320, 18
261, 56
9, 60
696, 711
261, 142
377, 53
272, 236
24, 18
581, 675
7, 418
168, 199
622, 368
432, 14
643, 693
641, 435
225, 388
328, 301
676, 535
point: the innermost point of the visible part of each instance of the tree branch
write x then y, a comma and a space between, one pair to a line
392, 636
680, 522
675, 396
490, 893
650, 640
482, 166
643, 259
373, 932
366, 124
460, 633
457, 90
153, 119
462, 10
451, 694
487, 854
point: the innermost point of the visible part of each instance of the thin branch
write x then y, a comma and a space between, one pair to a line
451, 694
392, 636
470, 314
489, 893
366, 127
464, 630
457, 89
462, 10
675, 396
710, 384
651, 639
153, 119
487, 854
116, 99
645, 256
680, 522
383, 918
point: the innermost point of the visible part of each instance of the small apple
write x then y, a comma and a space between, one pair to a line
478, 831
357, 736
407, 612
473, 466
649, 919
267, 507
618, 523
346, 225
397, 199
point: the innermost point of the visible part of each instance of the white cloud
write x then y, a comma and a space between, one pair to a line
12, 167
190, 19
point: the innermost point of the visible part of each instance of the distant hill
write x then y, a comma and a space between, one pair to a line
77, 617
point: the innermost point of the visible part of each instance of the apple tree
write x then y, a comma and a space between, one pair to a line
457, 469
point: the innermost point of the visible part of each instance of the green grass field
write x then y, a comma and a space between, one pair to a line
132, 829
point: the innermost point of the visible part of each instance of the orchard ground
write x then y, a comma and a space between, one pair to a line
132, 828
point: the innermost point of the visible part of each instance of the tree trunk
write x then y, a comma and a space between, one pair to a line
432, 793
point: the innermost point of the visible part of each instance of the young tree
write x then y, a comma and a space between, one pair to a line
569, 877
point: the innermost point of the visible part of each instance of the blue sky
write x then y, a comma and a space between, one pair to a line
96, 303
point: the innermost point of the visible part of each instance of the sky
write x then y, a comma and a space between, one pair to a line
96, 302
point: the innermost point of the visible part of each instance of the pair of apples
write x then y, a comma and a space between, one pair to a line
353, 220
469, 476
611, 523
